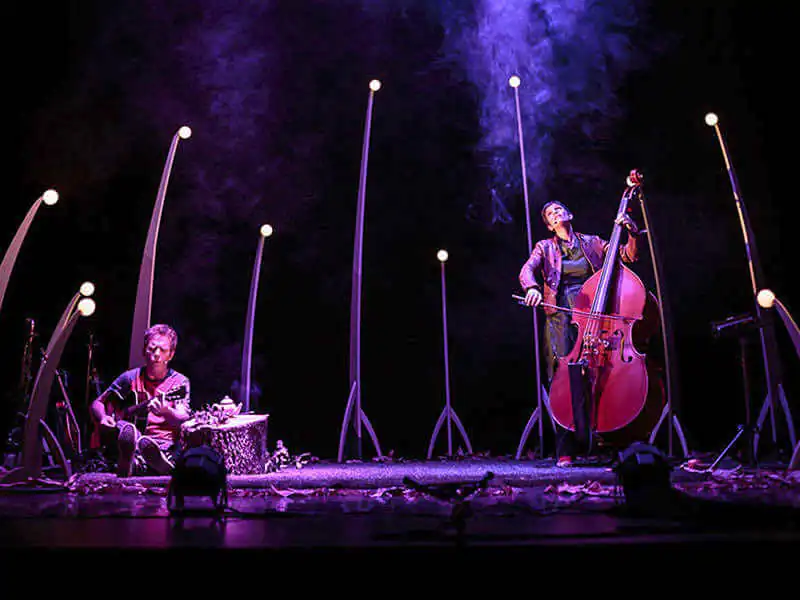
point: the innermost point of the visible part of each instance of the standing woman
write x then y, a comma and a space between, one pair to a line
563, 263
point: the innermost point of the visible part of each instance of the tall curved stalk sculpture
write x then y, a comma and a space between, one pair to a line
144, 291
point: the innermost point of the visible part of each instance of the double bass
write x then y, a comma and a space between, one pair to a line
606, 389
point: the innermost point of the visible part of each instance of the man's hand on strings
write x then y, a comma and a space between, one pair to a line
157, 406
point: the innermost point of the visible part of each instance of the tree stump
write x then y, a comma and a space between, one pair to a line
241, 440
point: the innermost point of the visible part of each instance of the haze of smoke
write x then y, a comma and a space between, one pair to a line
570, 56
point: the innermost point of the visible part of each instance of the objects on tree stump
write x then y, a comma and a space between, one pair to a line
241, 440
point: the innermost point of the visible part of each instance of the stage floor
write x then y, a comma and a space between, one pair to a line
322, 509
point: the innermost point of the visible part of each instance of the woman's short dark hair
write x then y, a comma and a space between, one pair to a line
547, 204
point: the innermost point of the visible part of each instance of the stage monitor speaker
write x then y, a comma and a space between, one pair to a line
645, 476
199, 471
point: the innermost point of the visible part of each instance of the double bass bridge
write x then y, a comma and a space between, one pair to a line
597, 347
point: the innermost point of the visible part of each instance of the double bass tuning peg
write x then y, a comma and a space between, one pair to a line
634, 178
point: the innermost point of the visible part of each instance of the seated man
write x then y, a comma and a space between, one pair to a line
154, 391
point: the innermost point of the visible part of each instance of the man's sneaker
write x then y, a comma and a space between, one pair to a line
154, 457
564, 461
126, 442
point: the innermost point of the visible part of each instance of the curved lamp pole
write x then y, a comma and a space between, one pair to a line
247, 350
448, 413
769, 348
766, 299
50, 197
541, 397
353, 413
144, 291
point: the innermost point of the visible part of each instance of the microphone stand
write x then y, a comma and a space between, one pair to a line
742, 326
27, 362
90, 376
17, 419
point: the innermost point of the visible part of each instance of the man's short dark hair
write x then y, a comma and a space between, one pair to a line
547, 204
164, 330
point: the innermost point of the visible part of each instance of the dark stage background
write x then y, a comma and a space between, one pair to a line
276, 92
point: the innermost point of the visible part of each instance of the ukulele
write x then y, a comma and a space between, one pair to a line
137, 410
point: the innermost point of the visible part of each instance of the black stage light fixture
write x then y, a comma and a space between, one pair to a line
644, 474
199, 471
